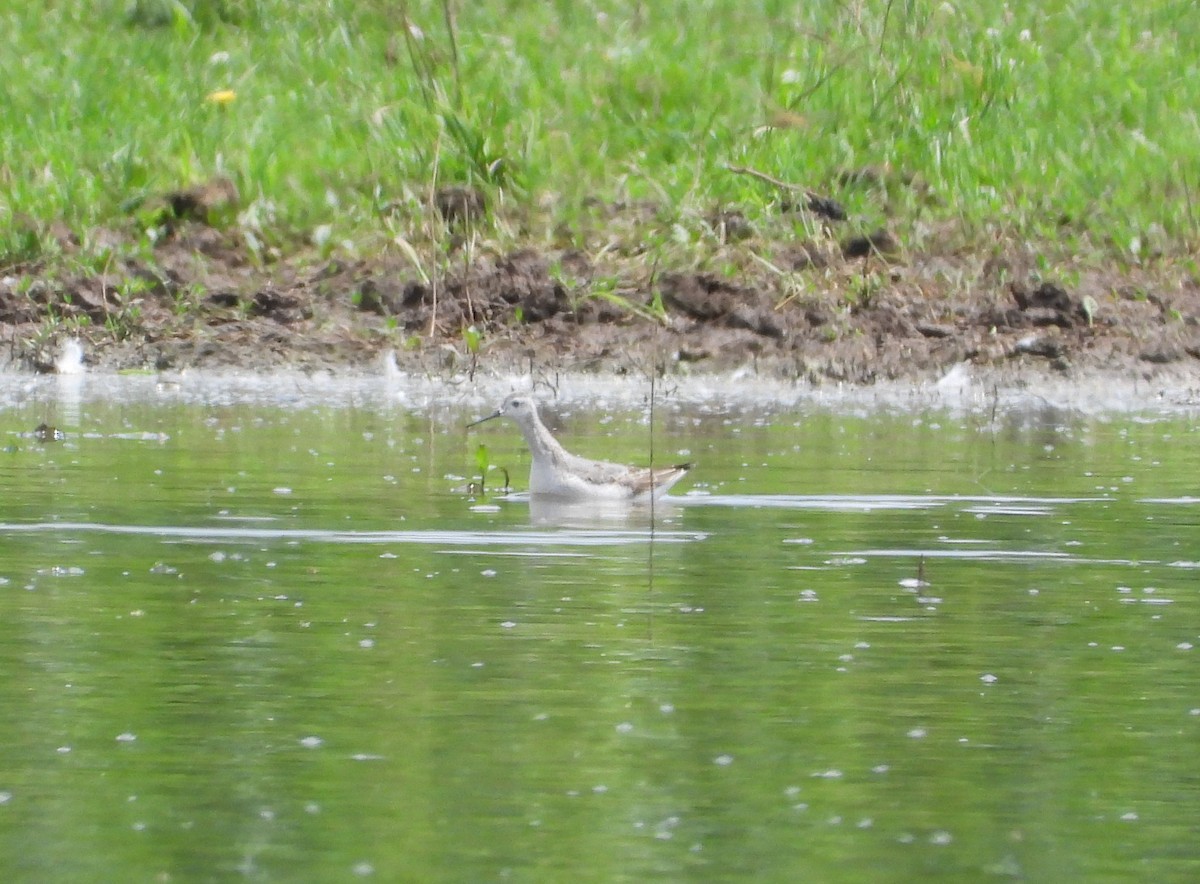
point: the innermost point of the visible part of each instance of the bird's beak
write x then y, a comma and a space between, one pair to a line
482, 419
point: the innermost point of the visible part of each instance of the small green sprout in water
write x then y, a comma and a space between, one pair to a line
483, 462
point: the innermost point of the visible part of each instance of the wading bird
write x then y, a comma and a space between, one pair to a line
555, 472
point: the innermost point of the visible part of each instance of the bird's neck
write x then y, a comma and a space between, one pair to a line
541, 444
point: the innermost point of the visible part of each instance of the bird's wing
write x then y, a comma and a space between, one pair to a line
599, 472
659, 479
637, 481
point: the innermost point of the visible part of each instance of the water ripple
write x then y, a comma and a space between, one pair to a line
992, 504
982, 555
979, 554
202, 534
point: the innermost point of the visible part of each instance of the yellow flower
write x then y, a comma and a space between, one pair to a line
969, 72
221, 96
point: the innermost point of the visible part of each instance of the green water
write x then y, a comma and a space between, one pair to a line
241, 641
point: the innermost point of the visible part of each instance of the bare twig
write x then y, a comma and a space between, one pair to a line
436, 266
653, 372
817, 204
650, 546
770, 179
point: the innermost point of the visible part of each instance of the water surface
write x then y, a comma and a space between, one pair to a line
276, 640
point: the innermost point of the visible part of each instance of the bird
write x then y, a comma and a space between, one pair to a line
556, 473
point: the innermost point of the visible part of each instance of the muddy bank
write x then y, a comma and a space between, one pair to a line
855, 309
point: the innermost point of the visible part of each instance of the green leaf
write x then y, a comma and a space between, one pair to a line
472, 336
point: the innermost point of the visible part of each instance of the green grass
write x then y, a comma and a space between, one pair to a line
1069, 119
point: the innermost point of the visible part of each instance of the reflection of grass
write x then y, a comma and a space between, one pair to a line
1011, 118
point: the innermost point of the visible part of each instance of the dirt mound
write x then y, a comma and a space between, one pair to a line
854, 309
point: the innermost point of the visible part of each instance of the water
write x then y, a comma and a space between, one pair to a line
267, 638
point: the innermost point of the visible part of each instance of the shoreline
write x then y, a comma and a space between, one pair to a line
548, 313
963, 389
